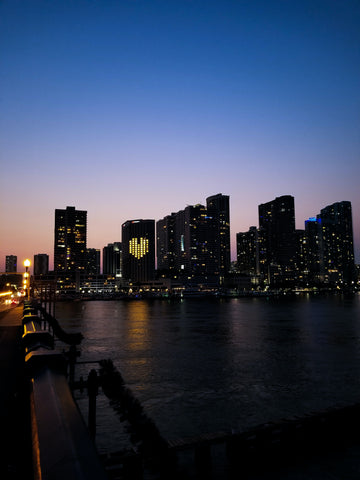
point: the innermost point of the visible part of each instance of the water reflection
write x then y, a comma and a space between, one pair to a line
202, 366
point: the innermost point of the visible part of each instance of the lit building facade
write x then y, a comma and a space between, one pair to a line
138, 246
218, 210
70, 240
336, 243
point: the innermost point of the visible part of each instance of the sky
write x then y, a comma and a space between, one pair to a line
137, 108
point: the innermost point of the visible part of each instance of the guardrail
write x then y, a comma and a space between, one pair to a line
61, 443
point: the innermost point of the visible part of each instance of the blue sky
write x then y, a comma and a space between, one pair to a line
134, 109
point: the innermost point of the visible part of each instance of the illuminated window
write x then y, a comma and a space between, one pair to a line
139, 247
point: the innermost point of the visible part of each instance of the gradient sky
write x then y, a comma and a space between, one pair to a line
136, 108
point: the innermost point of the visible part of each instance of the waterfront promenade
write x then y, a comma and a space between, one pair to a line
14, 443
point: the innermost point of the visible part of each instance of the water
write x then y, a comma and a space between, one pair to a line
212, 365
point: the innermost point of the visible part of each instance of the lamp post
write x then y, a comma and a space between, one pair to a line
27, 277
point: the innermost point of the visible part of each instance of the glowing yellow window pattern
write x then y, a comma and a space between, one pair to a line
139, 247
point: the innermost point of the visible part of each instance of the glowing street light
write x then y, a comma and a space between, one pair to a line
27, 264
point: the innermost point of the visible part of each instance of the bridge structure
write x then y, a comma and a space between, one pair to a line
42, 426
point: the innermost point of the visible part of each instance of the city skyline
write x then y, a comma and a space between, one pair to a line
135, 109
233, 246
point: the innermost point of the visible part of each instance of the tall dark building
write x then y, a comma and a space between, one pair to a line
247, 244
200, 261
138, 243
218, 210
70, 240
312, 235
336, 243
112, 259
41, 264
92, 261
277, 223
165, 244
11, 263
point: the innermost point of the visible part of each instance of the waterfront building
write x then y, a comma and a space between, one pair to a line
247, 245
201, 262
138, 244
336, 243
277, 223
301, 270
92, 261
41, 264
218, 210
112, 259
313, 234
165, 245
11, 263
70, 240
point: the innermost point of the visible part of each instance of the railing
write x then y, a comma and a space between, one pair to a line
62, 445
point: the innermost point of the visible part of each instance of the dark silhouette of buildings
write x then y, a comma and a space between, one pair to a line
11, 263
41, 264
112, 259
138, 244
92, 261
277, 228
70, 240
280, 255
194, 244
247, 244
166, 245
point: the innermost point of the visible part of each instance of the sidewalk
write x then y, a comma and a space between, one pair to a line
13, 415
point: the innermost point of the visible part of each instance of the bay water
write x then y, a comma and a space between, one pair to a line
209, 365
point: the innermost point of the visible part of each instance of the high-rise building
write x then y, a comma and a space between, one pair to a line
336, 243
11, 263
277, 223
218, 210
70, 240
194, 243
247, 244
138, 244
41, 264
312, 235
112, 259
165, 245
92, 261
200, 260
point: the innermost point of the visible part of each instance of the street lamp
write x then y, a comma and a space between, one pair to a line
27, 264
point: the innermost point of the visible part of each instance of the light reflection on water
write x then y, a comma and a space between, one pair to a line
200, 366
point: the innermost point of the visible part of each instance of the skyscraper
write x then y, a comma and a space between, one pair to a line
70, 240
248, 251
336, 243
219, 211
92, 261
11, 263
41, 264
165, 244
112, 259
199, 258
277, 225
138, 243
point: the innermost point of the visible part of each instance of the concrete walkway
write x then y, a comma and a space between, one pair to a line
14, 461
